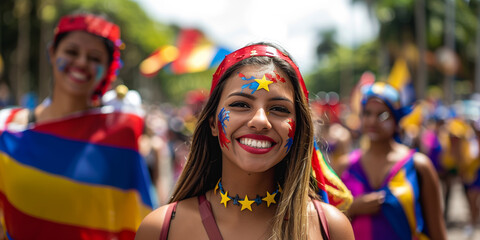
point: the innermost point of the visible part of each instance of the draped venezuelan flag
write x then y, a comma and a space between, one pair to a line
81, 177
331, 188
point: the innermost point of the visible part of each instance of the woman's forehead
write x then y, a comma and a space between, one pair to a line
376, 103
84, 39
254, 79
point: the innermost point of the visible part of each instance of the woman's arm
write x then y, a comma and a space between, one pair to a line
430, 197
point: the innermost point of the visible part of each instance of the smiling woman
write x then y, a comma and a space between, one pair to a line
396, 190
250, 160
70, 169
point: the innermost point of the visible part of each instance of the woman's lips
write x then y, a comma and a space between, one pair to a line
78, 76
256, 144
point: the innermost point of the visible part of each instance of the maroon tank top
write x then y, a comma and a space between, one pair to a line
211, 227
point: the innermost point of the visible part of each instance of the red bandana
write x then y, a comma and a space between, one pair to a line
253, 51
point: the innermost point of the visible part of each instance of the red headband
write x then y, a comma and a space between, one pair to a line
254, 51
99, 27
89, 23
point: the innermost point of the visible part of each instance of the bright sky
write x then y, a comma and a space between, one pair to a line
294, 24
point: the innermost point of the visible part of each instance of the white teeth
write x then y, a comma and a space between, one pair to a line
78, 75
255, 143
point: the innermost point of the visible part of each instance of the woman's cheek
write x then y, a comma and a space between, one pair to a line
61, 64
389, 125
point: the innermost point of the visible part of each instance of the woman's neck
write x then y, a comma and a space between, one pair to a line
251, 184
60, 108
381, 148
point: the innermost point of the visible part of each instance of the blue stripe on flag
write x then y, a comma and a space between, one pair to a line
79, 161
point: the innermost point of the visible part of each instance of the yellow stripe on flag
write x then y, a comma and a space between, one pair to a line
61, 200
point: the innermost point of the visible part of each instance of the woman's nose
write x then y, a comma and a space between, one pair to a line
260, 120
81, 60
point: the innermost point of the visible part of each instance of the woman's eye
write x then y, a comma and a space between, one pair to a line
279, 109
95, 59
239, 105
71, 52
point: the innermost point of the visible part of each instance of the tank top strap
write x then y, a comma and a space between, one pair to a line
322, 218
169, 215
208, 219
399, 165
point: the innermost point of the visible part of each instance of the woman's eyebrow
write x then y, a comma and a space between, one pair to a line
241, 94
280, 99
252, 97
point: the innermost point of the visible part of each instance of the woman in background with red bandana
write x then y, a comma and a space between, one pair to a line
70, 169
396, 190
248, 174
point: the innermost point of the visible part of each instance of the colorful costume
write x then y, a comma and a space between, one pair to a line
80, 177
400, 216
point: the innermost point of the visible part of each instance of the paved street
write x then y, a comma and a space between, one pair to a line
458, 216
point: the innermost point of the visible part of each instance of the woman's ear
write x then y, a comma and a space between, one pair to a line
213, 126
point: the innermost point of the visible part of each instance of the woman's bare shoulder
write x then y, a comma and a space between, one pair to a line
151, 225
186, 214
338, 224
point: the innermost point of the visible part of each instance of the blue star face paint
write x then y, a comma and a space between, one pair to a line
100, 72
61, 64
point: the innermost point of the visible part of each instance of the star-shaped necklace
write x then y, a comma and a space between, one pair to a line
270, 198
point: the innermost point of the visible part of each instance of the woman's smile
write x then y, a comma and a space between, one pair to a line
256, 144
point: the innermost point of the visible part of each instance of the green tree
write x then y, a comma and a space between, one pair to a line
400, 35
26, 28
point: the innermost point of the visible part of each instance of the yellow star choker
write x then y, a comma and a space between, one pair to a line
245, 202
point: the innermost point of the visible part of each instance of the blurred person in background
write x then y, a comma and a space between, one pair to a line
6, 98
461, 144
68, 169
396, 189
121, 97
248, 173
334, 136
473, 187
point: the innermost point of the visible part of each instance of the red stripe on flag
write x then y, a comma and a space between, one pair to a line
22, 226
116, 129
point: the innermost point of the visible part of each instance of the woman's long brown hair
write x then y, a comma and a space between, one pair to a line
204, 164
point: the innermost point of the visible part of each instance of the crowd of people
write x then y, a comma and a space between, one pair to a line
446, 137
93, 161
